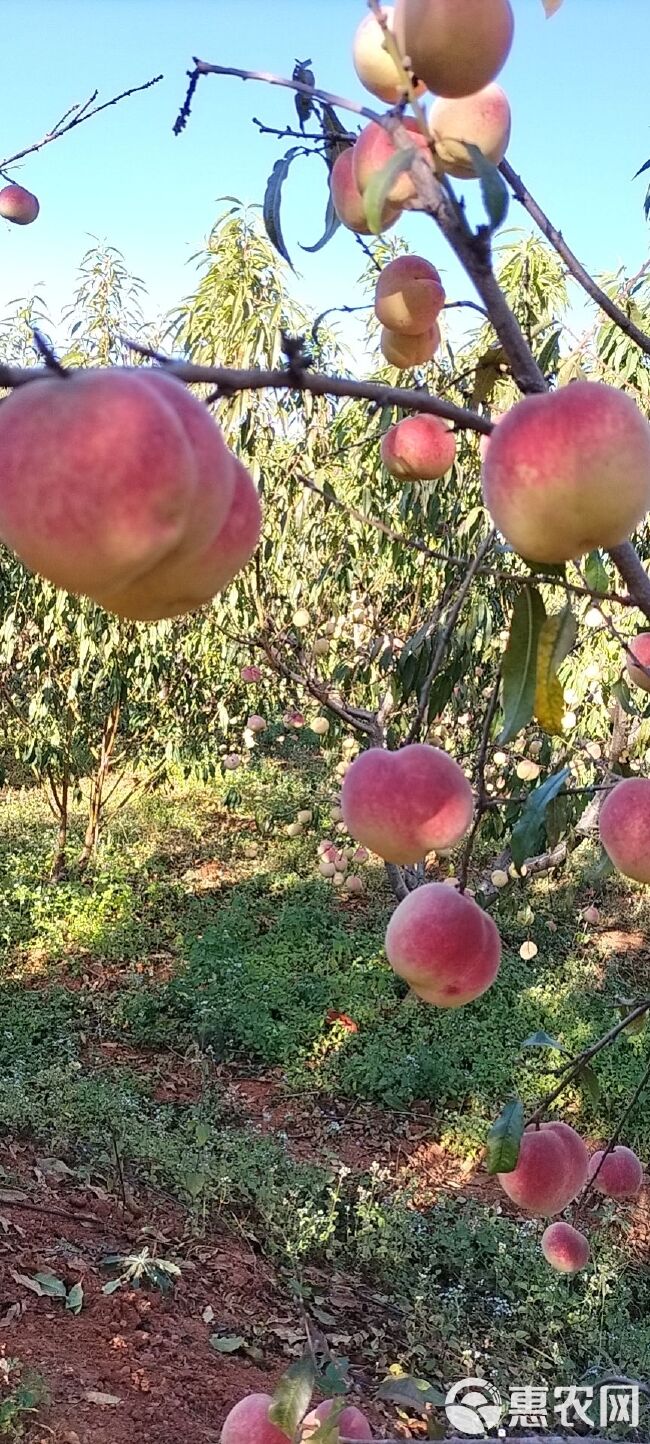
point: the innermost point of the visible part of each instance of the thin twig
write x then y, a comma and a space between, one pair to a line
482, 800
569, 1070
82, 114
573, 265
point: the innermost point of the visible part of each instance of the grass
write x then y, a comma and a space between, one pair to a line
204, 930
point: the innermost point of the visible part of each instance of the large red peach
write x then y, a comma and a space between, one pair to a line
443, 945
352, 1424
348, 200
374, 147
419, 448
551, 1170
568, 472
248, 1423
624, 824
639, 653
564, 1248
18, 205
454, 46
620, 1175
482, 120
173, 588
100, 473
404, 804
374, 65
407, 351
409, 295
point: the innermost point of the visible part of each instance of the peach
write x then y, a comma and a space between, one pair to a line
444, 946
409, 295
419, 448
175, 588
406, 351
250, 674
564, 1248
482, 120
621, 1174
352, 1424
639, 652
569, 471
624, 824
248, 1423
101, 474
374, 65
551, 1169
348, 200
18, 205
374, 147
454, 46
404, 804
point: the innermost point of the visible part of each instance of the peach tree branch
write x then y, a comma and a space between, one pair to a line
570, 1070
79, 113
573, 265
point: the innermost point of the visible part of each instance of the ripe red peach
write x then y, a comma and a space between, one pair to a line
171, 590
564, 1248
639, 652
374, 65
407, 351
624, 824
620, 1175
18, 205
348, 200
419, 448
568, 472
551, 1169
443, 945
101, 473
352, 1424
482, 120
374, 147
409, 295
454, 46
248, 1423
404, 804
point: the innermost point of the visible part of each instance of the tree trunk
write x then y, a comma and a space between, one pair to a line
98, 785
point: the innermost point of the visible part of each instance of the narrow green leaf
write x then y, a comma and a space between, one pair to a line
332, 224
381, 184
529, 832
542, 1040
589, 1081
75, 1299
292, 1396
504, 1138
494, 190
621, 692
595, 573
273, 200
520, 662
411, 1393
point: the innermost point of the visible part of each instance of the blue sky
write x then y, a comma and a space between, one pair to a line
577, 85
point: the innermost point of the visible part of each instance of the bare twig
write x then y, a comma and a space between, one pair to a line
82, 113
573, 265
570, 1070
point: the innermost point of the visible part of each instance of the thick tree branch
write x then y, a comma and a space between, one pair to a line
573, 265
634, 574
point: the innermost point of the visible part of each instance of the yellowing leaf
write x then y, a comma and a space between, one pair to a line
556, 638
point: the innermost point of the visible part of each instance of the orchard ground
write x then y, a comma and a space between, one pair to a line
205, 1054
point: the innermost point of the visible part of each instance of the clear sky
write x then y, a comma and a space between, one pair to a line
581, 127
